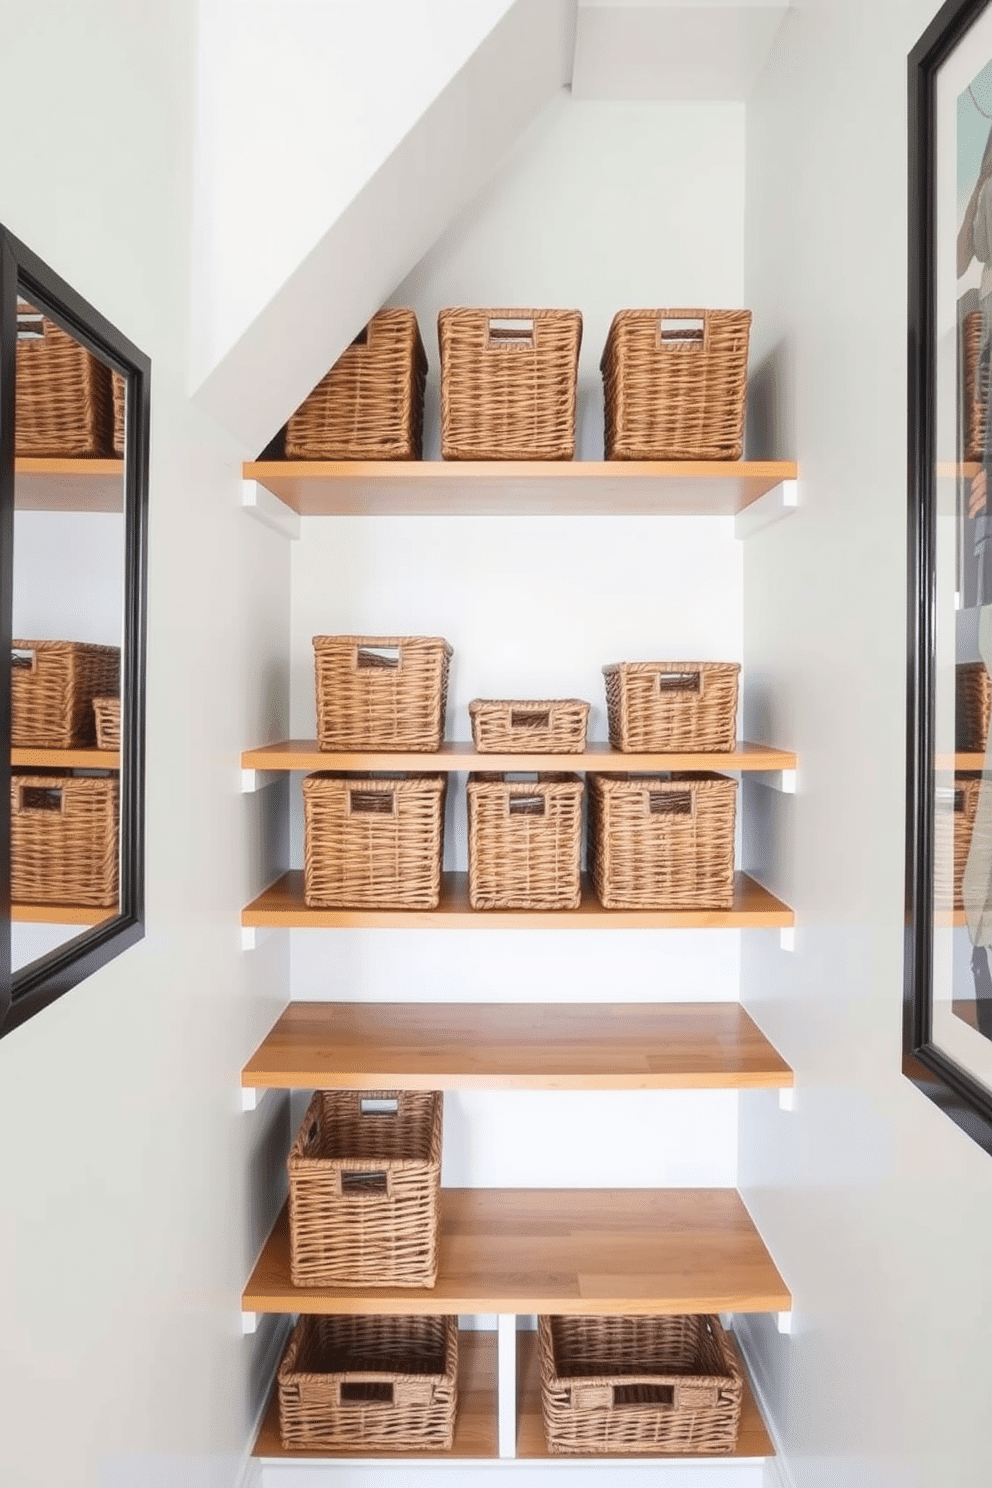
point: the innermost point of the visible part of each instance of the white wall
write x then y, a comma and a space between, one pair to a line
875, 1206
601, 207
132, 1189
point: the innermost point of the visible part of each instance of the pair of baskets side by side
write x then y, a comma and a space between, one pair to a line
638, 1384
64, 839
54, 686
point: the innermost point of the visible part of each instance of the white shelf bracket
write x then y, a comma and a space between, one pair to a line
252, 1097
780, 780
787, 1098
269, 509
256, 780
252, 936
787, 938
506, 1382
249, 1323
781, 501
783, 1321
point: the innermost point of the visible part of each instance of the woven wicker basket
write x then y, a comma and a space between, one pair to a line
975, 379
64, 401
508, 383
557, 726
973, 701
373, 842
52, 687
107, 712
370, 405
638, 1384
64, 839
966, 790
667, 706
119, 393
662, 842
524, 841
354, 1383
381, 692
364, 1173
674, 383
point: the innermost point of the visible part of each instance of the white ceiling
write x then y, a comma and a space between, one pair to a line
673, 49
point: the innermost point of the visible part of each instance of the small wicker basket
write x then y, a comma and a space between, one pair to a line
966, 791
64, 840
364, 1173
373, 842
381, 692
64, 399
976, 387
370, 405
508, 383
667, 706
107, 712
52, 687
524, 841
557, 726
675, 383
355, 1383
662, 841
973, 704
638, 1384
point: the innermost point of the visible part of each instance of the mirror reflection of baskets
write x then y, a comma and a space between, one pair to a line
64, 839
64, 396
52, 688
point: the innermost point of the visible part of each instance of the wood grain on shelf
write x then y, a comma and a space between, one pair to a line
518, 487
68, 485
65, 759
515, 1046
282, 906
560, 1251
475, 1421
60, 914
303, 754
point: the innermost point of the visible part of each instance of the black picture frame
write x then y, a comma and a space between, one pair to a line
26, 992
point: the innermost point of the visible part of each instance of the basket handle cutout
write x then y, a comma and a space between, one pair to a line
371, 803
662, 1396
378, 658
30, 325
379, 1105
958, 802
680, 681
23, 660
670, 803
526, 805
682, 332
362, 339
366, 1185
312, 1133
42, 798
525, 718
506, 331
365, 1392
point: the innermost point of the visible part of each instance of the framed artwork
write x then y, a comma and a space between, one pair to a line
947, 1003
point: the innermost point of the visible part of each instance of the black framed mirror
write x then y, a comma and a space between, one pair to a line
74, 433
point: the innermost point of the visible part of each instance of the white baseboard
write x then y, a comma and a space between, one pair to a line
249, 1474
777, 1471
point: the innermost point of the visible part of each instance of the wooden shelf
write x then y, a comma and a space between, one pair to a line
65, 759
522, 1046
518, 487
475, 1422
559, 1251
60, 914
282, 907
303, 754
68, 485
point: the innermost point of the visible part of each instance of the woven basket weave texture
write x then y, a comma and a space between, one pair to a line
370, 405
973, 701
381, 692
64, 399
508, 383
107, 712
555, 726
524, 841
351, 1383
52, 687
667, 706
372, 842
64, 840
976, 387
675, 383
662, 842
364, 1173
638, 1384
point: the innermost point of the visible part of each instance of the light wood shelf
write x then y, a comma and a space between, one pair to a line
65, 759
60, 914
475, 1421
518, 487
281, 906
559, 1251
68, 485
303, 754
515, 1046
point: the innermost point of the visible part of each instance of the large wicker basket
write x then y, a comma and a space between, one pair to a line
64, 400
557, 726
364, 1173
675, 383
354, 1383
973, 702
508, 383
381, 692
666, 706
662, 842
524, 841
638, 1384
64, 840
52, 687
370, 405
373, 842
